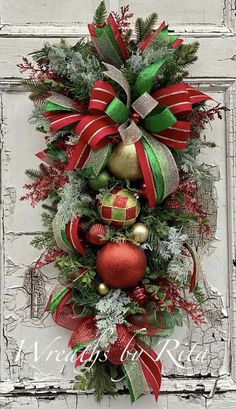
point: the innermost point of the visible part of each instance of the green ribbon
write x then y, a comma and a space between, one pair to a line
136, 382
57, 297
146, 78
59, 233
164, 34
162, 320
159, 119
163, 164
107, 45
117, 111
156, 169
155, 119
51, 106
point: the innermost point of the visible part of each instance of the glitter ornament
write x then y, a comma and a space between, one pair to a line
139, 295
121, 265
99, 182
139, 232
103, 289
97, 234
119, 208
123, 162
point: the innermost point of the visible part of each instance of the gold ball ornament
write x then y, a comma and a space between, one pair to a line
140, 232
123, 162
103, 289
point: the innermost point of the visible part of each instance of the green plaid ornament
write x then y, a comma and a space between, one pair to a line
119, 208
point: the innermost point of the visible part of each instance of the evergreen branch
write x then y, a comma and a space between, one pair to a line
143, 28
33, 173
100, 14
186, 54
97, 376
138, 26
149, 25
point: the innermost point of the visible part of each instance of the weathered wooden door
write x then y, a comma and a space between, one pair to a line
32, 376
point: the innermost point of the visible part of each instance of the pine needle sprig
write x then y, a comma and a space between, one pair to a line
143, 28
100, 14
186, 54
98, 378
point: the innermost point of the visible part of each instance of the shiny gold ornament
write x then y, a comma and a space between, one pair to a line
123, 162
139, 232
103, 289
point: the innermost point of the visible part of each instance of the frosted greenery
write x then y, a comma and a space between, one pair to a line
72, 199
172, 245
179, 267
111, 310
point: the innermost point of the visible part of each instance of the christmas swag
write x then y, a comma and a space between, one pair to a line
120, 182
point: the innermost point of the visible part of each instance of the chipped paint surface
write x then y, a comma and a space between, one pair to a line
33, 373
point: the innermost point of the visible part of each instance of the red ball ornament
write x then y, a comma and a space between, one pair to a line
97, 234
121, 265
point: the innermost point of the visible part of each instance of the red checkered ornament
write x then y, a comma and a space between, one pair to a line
119, 208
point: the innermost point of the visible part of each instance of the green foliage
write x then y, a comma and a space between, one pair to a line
33, 173
186, 161
135, 308
84, 285
143, 28
175, 70
100, 14
97, 376
38, 88
45, 240
199, 294
158, 49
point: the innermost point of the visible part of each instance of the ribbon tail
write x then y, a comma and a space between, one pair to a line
196, 96
136, 381
176, 136
196, 267
43, 156
57, 295
147, 174
151, 367
163, 166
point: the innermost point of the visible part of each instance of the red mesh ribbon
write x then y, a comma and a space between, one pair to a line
64, 314
125, 342
85, 332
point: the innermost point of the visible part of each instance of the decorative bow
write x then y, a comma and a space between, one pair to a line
144, 369
152, 117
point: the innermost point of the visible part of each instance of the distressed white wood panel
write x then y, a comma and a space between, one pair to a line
21, 142
213, 15
216, 56
182, 11
58, 12
191, 401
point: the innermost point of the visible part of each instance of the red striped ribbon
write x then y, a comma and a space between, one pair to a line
73, 237
151, 367
147, 174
